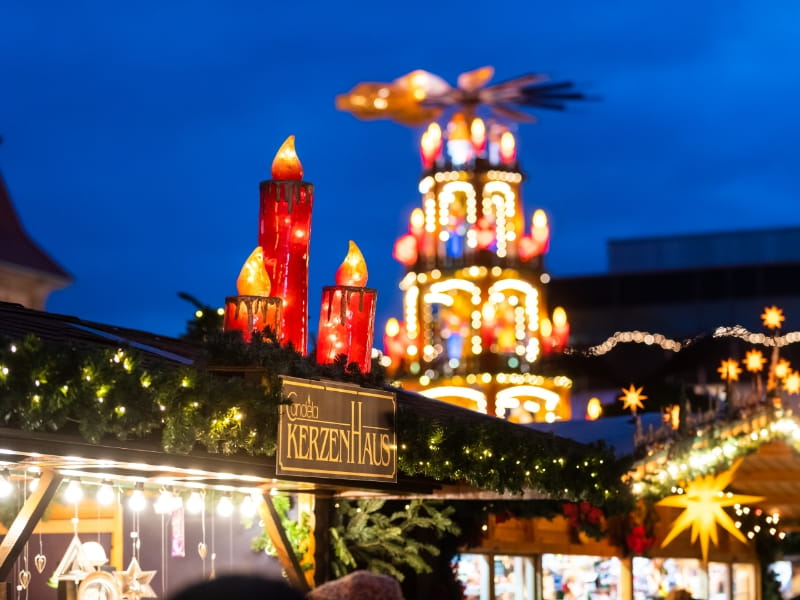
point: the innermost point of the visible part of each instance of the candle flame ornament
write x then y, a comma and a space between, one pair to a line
253, 309
287, 166
253, 279
284, 233
353, 270
347, 315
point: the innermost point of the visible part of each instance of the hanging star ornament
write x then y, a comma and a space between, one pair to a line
772, 317
791, 384
632, 398
729, 370
703, 505
135, 583
754, 361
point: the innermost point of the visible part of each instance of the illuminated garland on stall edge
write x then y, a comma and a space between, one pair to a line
126, 394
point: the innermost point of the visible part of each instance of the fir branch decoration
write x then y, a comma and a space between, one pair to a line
368, 538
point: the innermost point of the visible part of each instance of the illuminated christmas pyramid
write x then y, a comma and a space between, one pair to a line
475, 321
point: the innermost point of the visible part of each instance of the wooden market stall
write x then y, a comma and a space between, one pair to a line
143, 414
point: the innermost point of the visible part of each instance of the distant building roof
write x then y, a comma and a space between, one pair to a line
17, 248
722, 249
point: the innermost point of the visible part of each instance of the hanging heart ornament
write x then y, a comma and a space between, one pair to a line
202, 550
24, 578
40, 560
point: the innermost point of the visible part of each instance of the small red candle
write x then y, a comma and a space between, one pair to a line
560, 328
347, 316
253, 309
546, 335
284, 232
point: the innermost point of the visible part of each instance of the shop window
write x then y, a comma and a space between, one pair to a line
473, 573
744, 581
654, 578
513, 578
571, 577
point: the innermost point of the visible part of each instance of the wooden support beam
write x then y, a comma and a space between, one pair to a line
323, 520
286, 555
25, 522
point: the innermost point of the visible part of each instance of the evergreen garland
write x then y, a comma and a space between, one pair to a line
227, 402
498, 456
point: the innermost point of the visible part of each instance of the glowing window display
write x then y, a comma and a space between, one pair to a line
654, 578
577, 577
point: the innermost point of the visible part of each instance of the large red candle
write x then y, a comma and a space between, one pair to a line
284, 230
347, 316
253, 309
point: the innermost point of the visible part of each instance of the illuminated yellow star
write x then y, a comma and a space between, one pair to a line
729, 370
783, 368
792, 383
632, 398
772, 317
703, 506
754, 361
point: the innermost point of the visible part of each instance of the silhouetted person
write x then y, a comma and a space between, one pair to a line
239, 587
679, 594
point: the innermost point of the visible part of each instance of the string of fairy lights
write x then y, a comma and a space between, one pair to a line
164, 498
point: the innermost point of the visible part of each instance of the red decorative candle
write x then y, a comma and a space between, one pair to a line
546, 335
560, 328
253, 309
347, 316
284, 231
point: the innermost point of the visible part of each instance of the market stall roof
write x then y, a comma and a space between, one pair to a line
145, 458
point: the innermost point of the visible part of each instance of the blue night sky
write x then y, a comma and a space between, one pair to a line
136, 133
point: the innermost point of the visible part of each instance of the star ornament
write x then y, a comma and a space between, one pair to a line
791, 384
772, 317
135, 583
703, 506
632, 398
729, 370
754, 361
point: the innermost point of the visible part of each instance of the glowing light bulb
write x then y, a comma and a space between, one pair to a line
195, 503
137, 501
74, 492
248, 507
559, 317
225, 506
6, 487
105, 494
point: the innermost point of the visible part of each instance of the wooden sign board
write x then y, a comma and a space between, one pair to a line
337, 431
